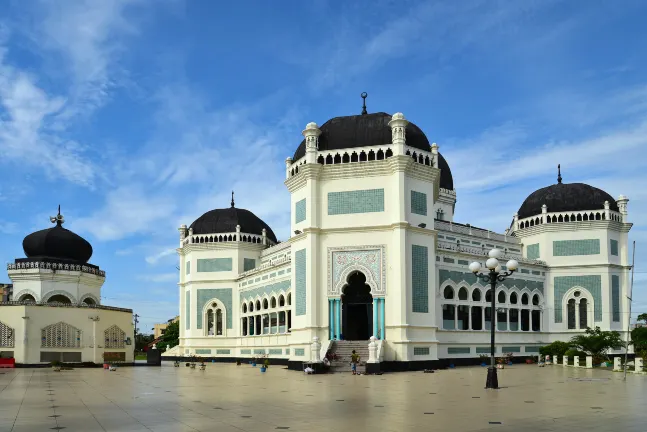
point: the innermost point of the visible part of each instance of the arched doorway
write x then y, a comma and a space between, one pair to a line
357, 309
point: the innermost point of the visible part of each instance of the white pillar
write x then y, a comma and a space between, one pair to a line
617, 366
576, 361
589, 362
577, 314
372, 351
638, 362
565, 360
507, 318
455, 317
288, 165
311, 134
622, 205
469, 318
434, 153
607, 210
529, 320
315, 349
398, 126
482, 318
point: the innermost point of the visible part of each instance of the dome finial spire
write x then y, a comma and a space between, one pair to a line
232, 198
364, 95
58, 219
559, 174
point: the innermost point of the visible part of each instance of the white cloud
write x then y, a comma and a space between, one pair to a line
155, 258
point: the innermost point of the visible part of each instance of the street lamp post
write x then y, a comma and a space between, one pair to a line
492, 277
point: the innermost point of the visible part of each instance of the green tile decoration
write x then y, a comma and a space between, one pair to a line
450, 238
275, 351
245, 351
532, 251
264, 277
458, 350
222, 294
484, 350
300, 282
576, 247
463, 262
448, 260
418, 351
249, 264
272, 275
531, 349
420, 278
287, 351
614, 247
281, 272
457, 277
526, 271
536, 273
300, 211
419, 203
441, 237
258, 279
187, 309
359, 201
511, 349
187, 267
259, 351
476, 242
202, 351
276, 288
592, 283
615, 297
288, 270
299, 352
215, 265
223, 351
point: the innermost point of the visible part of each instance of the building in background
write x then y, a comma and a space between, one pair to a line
6, 292
56, 313
159, 329
375, 251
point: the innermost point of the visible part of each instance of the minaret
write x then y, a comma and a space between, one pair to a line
311, 134
398, 126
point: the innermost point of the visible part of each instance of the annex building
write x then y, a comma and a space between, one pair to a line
375, 251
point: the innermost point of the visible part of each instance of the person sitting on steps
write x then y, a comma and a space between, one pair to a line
354, 360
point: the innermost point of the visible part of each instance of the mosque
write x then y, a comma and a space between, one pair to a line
56, 313
375, 251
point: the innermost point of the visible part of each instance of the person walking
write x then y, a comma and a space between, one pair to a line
354, 360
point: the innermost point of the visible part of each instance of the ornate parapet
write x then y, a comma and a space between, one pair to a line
50, 265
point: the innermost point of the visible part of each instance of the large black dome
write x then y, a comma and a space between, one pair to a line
57, 243
225, 221
562, 197
371, 130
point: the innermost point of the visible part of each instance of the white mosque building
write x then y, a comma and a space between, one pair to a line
56, 313
375, 252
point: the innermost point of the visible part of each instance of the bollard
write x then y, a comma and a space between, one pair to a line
576, 361
616, 364
638, 362
589, 362
565, 361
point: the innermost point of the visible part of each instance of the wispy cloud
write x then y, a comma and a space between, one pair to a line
164, 253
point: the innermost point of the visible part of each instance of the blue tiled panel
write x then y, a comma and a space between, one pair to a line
222, 294
272, 275
526, 271
576, 247
187, 267
300, 282
245, 351
249, 264
532, 349
264, 277
223, 351
592, 283
536, 273
276, 288
457, 276
511, 349
450, 238
360, 201
532, 251
463, 262
615, 297
215, 265
187, 309
300, 211
448, 260
299, 352
288, 270
458, 350
259, 351
202, 351
420, 278
287, 351
281, 272
275, 351
420, 350
476, 242
614, 247
419, 203
258, 279
484, 350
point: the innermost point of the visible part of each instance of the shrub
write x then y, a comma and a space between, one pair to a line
555, 349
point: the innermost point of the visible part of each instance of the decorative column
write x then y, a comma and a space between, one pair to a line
315, 348
338, 323
607, 210
530, 320
311, 134
577, 315
544, 211
376, 301
398, 126
434, 154
288, 165
469, 318
483, 309
237, 236
264, 237
382, 326
373, 363
622, 205
507, 316
455, 317
331, 319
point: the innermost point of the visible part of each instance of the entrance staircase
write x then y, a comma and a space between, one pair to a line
344, 349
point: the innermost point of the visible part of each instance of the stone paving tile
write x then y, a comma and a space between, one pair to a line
229, 398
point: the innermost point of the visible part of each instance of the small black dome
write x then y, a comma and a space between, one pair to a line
225, 221
562, 197
57, 243
371, 130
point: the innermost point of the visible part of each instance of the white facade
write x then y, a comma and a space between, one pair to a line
383, 224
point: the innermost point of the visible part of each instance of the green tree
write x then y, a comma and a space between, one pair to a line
555, 349
642, 317
639, 340
596, 343
171, 336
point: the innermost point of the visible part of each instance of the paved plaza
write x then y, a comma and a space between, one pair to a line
226, 398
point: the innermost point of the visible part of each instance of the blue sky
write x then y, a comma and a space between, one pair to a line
137, 116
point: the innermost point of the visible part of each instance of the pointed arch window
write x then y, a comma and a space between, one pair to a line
215, 318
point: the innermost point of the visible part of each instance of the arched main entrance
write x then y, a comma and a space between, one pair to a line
357, 311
